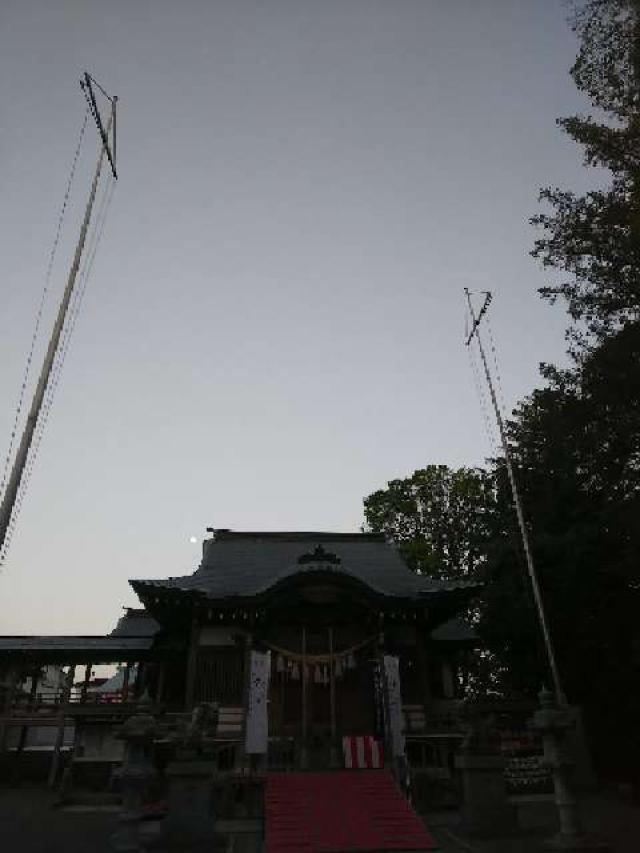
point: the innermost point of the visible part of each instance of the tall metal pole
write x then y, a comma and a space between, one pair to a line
555, 673
13, 485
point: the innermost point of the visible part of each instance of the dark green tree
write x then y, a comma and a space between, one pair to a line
439, 517
595, 237
575, 443
442, 520
576, 446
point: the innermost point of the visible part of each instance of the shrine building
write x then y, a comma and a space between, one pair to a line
319, 649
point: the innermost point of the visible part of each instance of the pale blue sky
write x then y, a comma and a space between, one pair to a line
274, 324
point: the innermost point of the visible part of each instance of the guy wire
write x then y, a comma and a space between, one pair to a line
85, 273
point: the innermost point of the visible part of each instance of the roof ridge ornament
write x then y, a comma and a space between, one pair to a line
319, 555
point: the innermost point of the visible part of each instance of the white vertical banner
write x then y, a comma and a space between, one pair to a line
394, 704
257, 731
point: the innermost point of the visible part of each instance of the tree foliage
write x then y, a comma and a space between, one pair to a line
575, 442
576, 451
438, 516
595, 237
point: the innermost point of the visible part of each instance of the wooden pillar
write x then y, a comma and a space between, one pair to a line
77, 733
422, 661
388, 747
241, 754
12, 686
303, 682
35, 678
125, 682
333, 749
35, 675
140, 684
85, 683
283, 682
64, 705
448, 682
162, 674
192, 663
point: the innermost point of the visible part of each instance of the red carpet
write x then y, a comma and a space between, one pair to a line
358, 810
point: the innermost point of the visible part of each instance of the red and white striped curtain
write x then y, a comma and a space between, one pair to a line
362, 752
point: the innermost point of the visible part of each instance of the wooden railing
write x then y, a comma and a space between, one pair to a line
54, 696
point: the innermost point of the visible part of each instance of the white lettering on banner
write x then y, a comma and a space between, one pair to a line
394, 704
257, 721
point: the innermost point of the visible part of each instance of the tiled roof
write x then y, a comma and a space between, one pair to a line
247, 564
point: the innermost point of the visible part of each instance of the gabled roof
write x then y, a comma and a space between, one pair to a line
239, 565
136, 622
116, 683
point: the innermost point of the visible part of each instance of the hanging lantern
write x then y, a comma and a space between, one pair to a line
280, 664
295, 672
351, 661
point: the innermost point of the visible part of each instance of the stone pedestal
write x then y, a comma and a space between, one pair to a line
190, 820
486, 810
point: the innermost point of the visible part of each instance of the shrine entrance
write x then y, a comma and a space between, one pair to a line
318, 697
324, 653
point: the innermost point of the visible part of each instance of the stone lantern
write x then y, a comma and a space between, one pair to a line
138, 775
553, 723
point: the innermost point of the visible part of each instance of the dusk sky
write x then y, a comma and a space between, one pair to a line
274, 324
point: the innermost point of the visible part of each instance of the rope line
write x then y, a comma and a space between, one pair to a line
39, 313
321, 658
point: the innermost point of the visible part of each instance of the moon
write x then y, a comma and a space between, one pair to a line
193, 540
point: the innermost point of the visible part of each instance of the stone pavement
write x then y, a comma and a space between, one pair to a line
29, 823
605, 817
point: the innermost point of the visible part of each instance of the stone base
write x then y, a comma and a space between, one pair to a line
486, 812
190, 819
577, 844
490, 823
